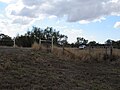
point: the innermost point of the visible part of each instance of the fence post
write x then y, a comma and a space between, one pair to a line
111, 50
106, 50
14, 42
63, 48
39, 42
89, 49
52, 45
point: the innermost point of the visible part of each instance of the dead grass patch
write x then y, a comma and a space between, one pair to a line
97, 55
36, 46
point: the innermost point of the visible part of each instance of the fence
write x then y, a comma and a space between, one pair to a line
107, 49
98, 53
47, 41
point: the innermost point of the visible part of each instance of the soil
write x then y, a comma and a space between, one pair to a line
26, 69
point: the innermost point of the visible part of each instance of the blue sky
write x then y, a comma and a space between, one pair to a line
97, 20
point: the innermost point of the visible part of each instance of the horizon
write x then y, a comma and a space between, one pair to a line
94, 20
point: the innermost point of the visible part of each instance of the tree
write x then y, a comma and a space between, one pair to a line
81, 41
63, 39
109, 42
92, 43
37, 33
116, 44
5, 40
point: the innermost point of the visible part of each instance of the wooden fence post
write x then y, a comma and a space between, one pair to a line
52, 44
14, 42
111, 50
89, 49
39, 42
63, 49
106, 50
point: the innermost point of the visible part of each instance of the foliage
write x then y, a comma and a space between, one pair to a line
81, 41
5, 40
92, 43
37, 33
108, 42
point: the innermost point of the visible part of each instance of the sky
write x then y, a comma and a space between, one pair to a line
95, 20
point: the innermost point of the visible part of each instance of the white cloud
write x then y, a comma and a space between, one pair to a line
1, 15
22, 21
52, 17
99, 19
10, 29
33, 2
96, 20
72, 34
28, 12
6, 1
84, 22
13, 9
75, 10
114, 1
117, 25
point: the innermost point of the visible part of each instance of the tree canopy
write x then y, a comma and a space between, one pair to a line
5, 40
37, 33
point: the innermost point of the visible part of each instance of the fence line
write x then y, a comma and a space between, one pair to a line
40, 42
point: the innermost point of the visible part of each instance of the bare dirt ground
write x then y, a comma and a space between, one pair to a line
26, 69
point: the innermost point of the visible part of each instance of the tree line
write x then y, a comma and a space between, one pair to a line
36, 34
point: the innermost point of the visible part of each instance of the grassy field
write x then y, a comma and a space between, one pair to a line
92, 54
27, 69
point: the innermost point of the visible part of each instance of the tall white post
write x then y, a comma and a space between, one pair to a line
14, 42
52, 45
39, 42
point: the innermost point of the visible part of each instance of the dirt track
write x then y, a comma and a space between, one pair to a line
25, 69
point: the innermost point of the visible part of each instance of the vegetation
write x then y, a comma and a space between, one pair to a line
5, 40
36, 46
81, 41
36, 34
27, 69
28, 39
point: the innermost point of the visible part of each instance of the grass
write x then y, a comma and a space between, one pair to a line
27, 69
35, 46
88, 55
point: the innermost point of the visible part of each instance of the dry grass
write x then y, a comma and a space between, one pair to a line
36, 46
26, 69
57, 51
87, 55
93, 54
